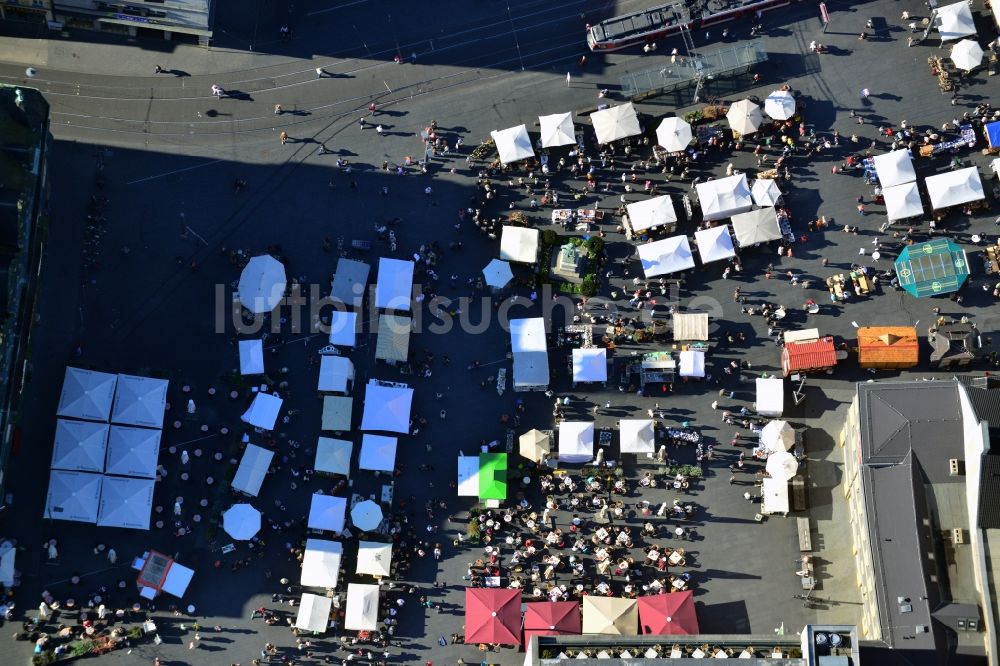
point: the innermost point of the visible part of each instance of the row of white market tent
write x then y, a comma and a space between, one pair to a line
575, 441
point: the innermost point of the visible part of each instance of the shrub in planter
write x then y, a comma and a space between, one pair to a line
589, 286
549, 237
594, 245
43, 658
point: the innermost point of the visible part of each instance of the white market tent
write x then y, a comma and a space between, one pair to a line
774, 496
780, 105
87, 394
468, 476
133, 451
362, 607
327, 512
378, 453
314, 613
336, 374
744, 117
73, 496
674, 134
651, 213
666, 256
557, 130
894, 168
497, 274
530, 351
140, 401
955, 21
692, 363
394, 287
513, 144
576, 441
770, 396
262, 284
765, 192
126, 502
387, 408
590, 364
714, 244
343, 328
263, 411
953, 188
349, 282
637, 435
333, 456
690, 326
252, 470
392, 342
967, 54
337, 411
7, 571
519, 244
241, 522
756, 226
374, 558
80, 446
321, 563
724, 197
902, 201
251, 357
615, 123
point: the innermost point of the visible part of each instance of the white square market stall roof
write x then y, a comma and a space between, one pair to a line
321, 563
343, 328
387, 408
333, 456
770, 396
690, 326
362, 607
314, 613
349, 282
394, 287
615, 123
774, 496
637, 436
765, 192
953, 188
902, 201
326, 512
252, 470
87, 394
336, 373
651, 213
519, 244
126, 503
378, 453
557, 130
468, 476
894, 168
393, 340
590, 364
692, 363
715, 244
80, 446
669, 255
576, 441
73, 496
513, 144
251, 357
955, 21
133, 451
337, 410
530, 351
724, 197
374, 558
140, 401
756, 226
263, 411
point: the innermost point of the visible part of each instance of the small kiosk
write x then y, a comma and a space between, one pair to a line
805, 351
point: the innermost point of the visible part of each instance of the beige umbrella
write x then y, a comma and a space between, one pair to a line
777, 436
782, 465
534, 445
744, 117
610, 615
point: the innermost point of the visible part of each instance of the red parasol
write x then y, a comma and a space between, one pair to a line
492, 615
672, 613
551, 618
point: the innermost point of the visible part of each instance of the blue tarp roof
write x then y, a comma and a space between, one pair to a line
993, 134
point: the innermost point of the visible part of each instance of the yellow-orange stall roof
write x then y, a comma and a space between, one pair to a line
897, 346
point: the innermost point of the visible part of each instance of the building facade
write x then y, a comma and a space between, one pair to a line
32, 11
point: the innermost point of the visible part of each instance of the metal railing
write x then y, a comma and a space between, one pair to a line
687, 71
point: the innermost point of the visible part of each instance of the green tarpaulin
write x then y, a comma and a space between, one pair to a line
935, 267
493, 476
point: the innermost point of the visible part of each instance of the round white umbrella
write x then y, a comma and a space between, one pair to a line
777, 436
967, 54
497, 274
262, 284
780, 105
366, 516
744, 117
782, 465
241, 521
674, 134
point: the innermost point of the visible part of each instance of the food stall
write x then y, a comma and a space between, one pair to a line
657, 368
888, 347
770, 399
807, 354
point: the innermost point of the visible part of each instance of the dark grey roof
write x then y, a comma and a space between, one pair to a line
349, 282
984, 394
989, 492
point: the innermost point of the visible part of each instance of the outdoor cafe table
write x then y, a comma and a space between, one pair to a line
678, 583
675, 557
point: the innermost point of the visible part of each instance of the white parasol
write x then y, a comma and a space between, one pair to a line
497, 274
777, 436
782, 465
262, 284
967, 54
780, 105
674, 134
366, 516
241, 521
744, 117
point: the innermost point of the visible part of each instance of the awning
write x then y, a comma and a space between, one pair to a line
576, 441
744, 117
80, 446
590, 364
492, 476
534, 445
902, 201
252, 470
327, 512
387, 408
140, 401
955, 21
933, 267
87, 394
894, 168
529, 348
349, 282
780, 105
492, 615
615, 123
333, 456
361, 613
374, 558
714, 244
690, 326
637, 435
724, 197
692, 363
497, 274
513, 144
953, 188
668, 614
366, 516
610, 615
133, 451
378, 453
126, 502
263, 411
337, 413
669, 255
241, 522
262, 284
756, 227
393, 340
394, 287
314, 613
551, 618
73, 496
343, 328
251, 357
336, 374
770, 399
673, 134
519, 244
321, 563
651, 213
557, 130
765, 192
774, 496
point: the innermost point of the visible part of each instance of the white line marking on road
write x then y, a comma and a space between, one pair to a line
170, 173
333, 9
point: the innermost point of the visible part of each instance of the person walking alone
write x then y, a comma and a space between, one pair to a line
278, 110
284, 137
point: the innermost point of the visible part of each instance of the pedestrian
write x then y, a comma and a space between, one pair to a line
278, 110
861, 209
569, 79
371, 108
157, 70
112, 555
361, 123
607, 405
284, 137
865, 93
378, 129
320, 73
